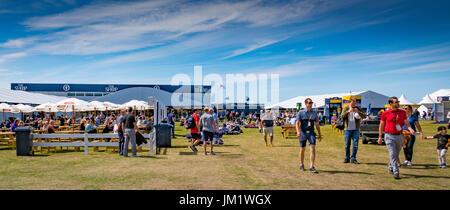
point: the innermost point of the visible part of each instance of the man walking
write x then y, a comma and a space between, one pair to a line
352, 116
209, 128
392, 122
129, 129
267, 126
120, 130
306, 120
195, 132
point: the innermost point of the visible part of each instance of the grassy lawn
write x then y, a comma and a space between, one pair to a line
243, 162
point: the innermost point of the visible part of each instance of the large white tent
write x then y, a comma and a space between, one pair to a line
23, 97
427, 100
376, 100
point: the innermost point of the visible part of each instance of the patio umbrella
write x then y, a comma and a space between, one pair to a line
72, 104
5, 108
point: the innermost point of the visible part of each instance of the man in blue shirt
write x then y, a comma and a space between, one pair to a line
171, 121
305, 122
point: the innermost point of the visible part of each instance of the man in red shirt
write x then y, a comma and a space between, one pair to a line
392, 122
195, 132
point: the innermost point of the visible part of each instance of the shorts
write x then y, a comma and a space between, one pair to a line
207, 136
311, 137
268, 131
196, 135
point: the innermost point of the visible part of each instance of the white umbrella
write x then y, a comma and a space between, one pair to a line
74, 103
22, 108
96, 105
5, 108
137, 105
46, 107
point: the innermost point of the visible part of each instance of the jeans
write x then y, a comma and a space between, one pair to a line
409, 148
121, 141
173, 130
349, 136
130, 137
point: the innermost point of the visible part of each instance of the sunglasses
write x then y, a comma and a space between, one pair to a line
310, 102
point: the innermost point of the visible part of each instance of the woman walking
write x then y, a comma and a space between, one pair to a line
413, 119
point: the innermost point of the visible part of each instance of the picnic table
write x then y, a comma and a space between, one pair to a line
288, 130
9, 138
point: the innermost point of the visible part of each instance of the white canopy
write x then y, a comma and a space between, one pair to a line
427, 100
23, 97
375, 100
404, 101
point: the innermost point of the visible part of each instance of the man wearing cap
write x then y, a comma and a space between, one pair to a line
352, 116
306, 120
267, 126
392, 122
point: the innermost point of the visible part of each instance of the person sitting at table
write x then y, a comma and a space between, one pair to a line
108, 128
14, 125
51, 127
90, 127
140, 122
83, 125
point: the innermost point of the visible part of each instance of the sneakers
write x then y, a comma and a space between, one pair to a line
346, 160
443, 165
355, 161
312, 169
205, 153
193, 148
409, 163
212, 153
396, 176
302, 168
405, 163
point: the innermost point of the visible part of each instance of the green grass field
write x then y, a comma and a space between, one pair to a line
243, 162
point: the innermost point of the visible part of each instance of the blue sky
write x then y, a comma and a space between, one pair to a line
317, 47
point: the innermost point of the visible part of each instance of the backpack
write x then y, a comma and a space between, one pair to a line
190, 123
340, 123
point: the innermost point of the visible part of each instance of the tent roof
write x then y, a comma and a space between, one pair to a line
404, 101
23, 97
427, 100
319, 100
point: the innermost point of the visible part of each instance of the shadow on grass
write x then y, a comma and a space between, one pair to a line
6, 148
379, 164
345, 172
151, 157
408, 176
187, 153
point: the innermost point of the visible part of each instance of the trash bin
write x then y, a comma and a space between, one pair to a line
163, 137
23, 141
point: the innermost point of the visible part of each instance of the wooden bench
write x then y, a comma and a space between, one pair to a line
9, 138
288, 131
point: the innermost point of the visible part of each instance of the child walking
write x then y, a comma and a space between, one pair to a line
442, 145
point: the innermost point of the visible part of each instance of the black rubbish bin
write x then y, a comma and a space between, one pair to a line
163, 137
23, 141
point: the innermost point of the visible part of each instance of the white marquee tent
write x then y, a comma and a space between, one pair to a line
23, 97
367, 97
404, 101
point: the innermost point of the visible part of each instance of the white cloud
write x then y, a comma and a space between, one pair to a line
11, 56
252, 48
123, 26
